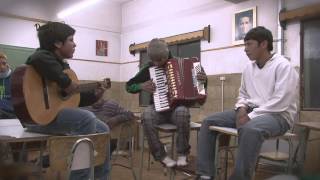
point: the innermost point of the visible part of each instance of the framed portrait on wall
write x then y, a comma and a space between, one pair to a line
242, 22
101, 48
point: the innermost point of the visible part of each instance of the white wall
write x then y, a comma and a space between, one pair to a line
102, 22
17, 32
143, 20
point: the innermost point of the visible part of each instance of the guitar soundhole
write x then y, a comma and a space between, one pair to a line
64, 95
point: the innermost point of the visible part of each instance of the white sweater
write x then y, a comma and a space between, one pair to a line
272, 89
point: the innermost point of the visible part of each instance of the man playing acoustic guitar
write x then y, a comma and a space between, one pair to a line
56, 45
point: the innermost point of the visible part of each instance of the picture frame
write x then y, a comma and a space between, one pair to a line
101, 48
242, 22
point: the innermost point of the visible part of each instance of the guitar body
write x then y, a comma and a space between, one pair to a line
38, 101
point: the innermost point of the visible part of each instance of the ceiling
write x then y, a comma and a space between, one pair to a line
43, 9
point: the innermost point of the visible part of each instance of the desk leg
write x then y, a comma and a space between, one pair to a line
42, 148
23, 153
216, 157
304, 136
226, 163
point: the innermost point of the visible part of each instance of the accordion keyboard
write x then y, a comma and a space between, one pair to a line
197, 84
160, 97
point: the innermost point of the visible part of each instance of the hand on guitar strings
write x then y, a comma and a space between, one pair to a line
148, 86
202, 77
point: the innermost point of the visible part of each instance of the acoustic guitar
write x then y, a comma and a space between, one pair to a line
37, 100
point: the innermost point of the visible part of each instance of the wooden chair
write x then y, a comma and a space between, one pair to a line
82, 156
286, 159
234, 132
63, 152
171, 129
124, 133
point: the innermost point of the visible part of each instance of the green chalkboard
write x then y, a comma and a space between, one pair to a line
16, 55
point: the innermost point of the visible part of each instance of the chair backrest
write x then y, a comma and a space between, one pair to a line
82, 156
65, 150
124, 130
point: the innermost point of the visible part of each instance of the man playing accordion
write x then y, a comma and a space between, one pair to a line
179, 115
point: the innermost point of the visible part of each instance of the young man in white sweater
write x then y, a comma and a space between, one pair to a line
266, 107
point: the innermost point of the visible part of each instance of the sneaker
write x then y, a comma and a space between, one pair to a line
203, 177
182, 161
167, 161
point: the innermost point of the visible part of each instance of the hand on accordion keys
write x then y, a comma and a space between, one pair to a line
202, 77
148, 86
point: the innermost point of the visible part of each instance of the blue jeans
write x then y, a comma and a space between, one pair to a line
76, 121
251, 137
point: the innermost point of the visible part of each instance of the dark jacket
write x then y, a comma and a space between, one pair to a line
49, 66
133, 85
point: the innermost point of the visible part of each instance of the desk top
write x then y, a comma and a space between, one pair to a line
225, 130
314, 125
234, 131
11, 130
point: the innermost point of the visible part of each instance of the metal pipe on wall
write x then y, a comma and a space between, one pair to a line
280, 34
222, 79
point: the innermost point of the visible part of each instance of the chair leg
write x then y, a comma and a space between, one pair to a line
256, 168
172, 145
171, 174
149, 160
226, 164
216, 163
290, 159
141, 155
130, 153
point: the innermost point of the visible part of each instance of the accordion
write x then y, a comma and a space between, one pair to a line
177, 84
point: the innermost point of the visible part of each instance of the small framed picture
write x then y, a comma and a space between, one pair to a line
101, 48
242, 22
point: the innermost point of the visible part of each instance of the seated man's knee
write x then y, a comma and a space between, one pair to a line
210, 121
182, 111
87, 114
88, 118
249, 130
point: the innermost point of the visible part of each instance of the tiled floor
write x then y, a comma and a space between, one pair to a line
156, 171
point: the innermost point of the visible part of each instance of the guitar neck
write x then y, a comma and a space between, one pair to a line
88, 86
